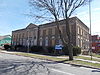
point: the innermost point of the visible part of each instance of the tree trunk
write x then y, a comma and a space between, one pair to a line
68, 33
70, 49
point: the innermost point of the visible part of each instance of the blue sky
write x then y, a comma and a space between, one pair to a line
12, 15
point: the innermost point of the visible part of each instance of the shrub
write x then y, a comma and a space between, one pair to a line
20, 48
50, 49
7, 47
65, 50
76, 50
85, 52
36, 49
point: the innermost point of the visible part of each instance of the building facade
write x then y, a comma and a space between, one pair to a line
48, 35
95, 43
5, 40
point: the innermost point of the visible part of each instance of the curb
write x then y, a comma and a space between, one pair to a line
77, 65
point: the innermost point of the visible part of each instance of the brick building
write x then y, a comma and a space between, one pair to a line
47, 34
96, 43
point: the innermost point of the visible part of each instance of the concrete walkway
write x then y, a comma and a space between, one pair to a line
90, 56
88, 61
91, 61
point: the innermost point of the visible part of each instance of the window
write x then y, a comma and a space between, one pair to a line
79, 42
53, 37
53, 31
60, 42
34, 37
63, 29
53, 42
44, 32
47, 32
81, 32
35, 42
20, 41
40, 41
17, 36
46, 41
50, 31
98, 45
78, 30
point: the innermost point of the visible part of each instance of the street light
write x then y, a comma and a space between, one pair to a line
90, 28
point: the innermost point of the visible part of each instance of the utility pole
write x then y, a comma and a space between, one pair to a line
90, 29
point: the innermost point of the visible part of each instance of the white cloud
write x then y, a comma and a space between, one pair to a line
96, 9
82, 13
95, 27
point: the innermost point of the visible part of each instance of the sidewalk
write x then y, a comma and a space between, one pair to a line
88, 61
90, 56
91, 61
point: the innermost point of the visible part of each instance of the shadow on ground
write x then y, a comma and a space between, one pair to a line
98, 70
19, 67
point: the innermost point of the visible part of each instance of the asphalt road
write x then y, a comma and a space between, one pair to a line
19, 65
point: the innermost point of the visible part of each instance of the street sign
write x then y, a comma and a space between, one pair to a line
58, 47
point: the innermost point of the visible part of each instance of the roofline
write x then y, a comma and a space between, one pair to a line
82, 23
53, 23
19, 30
24, 28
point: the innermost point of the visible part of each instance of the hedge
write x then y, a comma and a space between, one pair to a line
76, 50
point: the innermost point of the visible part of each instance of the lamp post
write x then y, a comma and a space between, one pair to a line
90, 28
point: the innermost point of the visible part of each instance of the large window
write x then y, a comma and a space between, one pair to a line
50, 31
46, 41
53, 41
81, 31
79, 42
60, 42
44, 32
40, 41
78, 30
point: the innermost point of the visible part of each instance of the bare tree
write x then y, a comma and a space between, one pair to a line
60, 9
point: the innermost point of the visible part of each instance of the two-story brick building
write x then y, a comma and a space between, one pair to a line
47, 34
95, 43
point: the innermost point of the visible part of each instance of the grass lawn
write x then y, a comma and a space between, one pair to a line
63, 60
41, 56
79, 62
96, 55
87, 58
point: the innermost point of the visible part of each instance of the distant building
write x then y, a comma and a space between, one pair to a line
5, 40
96, 43
47, 34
